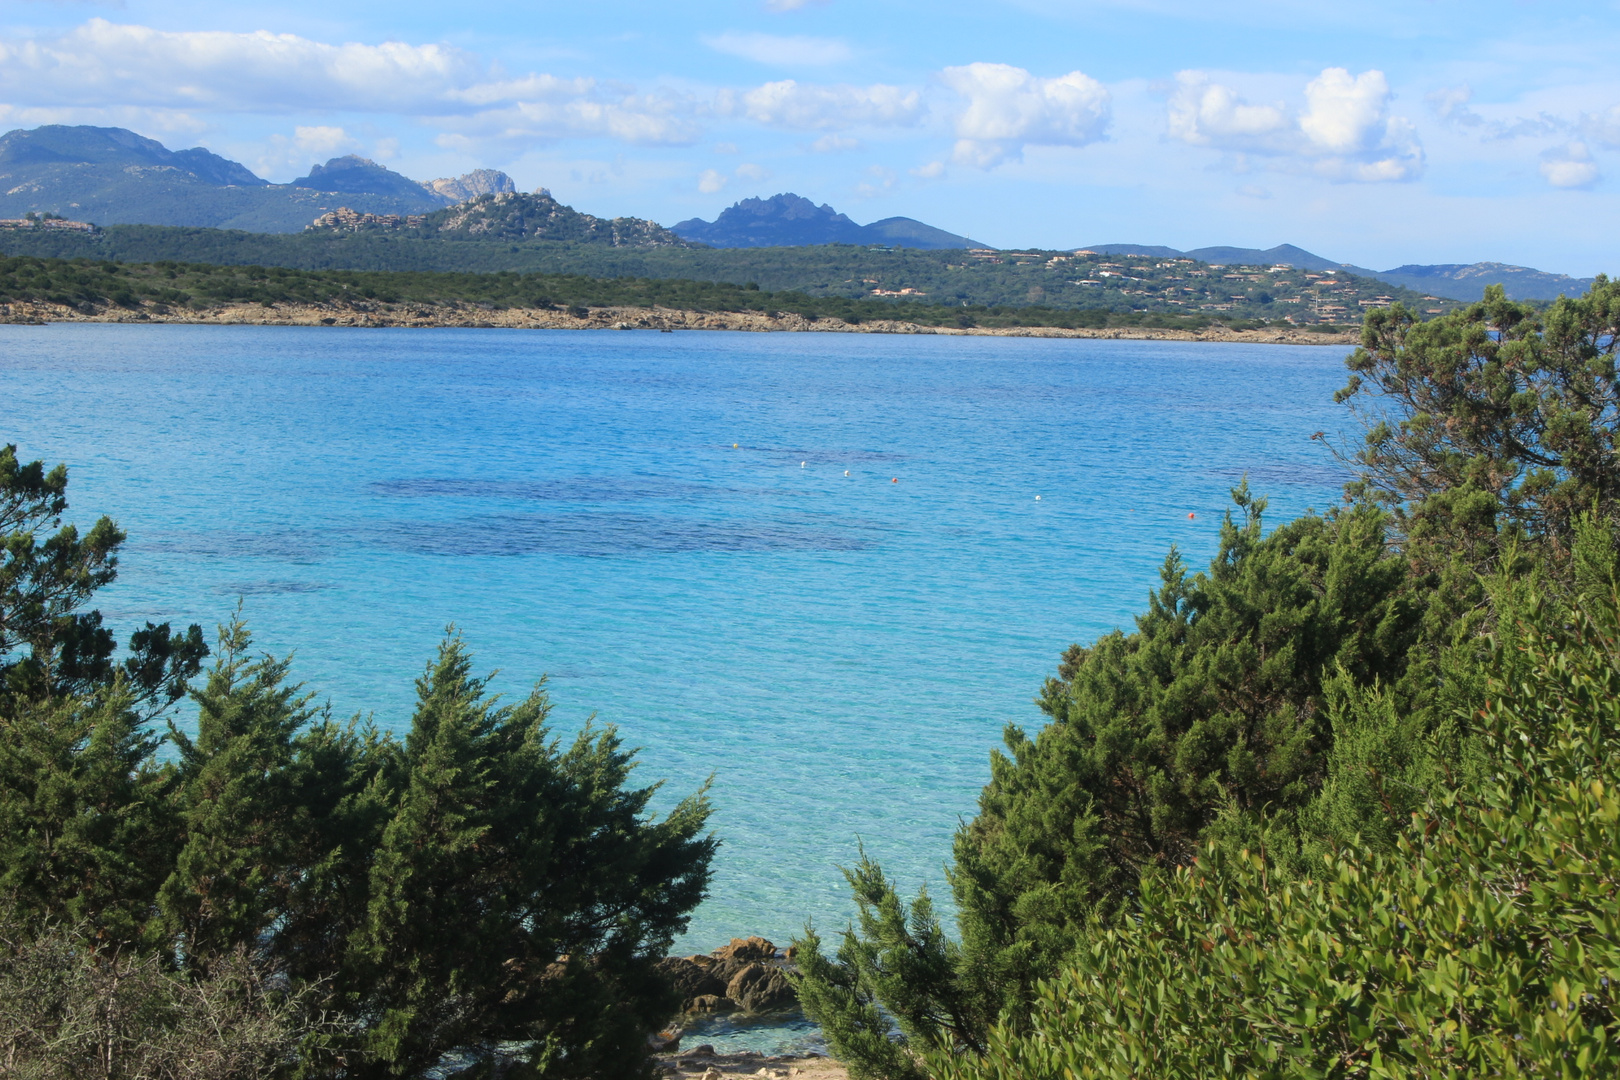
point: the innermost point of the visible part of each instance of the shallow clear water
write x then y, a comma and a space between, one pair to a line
839, 651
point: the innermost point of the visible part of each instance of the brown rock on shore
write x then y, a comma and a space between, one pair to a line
376, 314
745, 975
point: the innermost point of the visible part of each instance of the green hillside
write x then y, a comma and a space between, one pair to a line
1044, 279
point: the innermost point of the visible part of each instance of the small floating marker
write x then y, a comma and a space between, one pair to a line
846, 472
801, 464
734, 446
1037, 498
896, 480
1192, 515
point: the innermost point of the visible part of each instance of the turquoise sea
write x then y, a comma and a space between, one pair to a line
824, 569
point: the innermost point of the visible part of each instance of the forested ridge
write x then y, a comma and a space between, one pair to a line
1122, 285
165, 287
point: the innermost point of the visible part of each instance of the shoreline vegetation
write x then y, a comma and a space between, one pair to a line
35, 290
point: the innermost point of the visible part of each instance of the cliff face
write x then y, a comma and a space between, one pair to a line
510, 217
473, 184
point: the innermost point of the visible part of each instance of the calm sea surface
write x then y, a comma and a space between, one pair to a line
824, 569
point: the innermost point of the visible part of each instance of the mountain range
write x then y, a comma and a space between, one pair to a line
789, 220
113, 176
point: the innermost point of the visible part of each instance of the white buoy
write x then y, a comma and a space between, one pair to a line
801, 464
1037, 498
846, 472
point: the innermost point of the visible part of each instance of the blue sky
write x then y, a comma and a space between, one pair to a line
1375, 132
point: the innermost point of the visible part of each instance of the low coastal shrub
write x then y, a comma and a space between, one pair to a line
360, 905
1486, 943
1173, 877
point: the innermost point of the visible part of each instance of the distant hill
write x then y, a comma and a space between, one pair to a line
1454, 281
112, 176
354, 175
788, 220
1468, 282
508, 217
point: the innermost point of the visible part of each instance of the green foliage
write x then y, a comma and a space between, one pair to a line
477, 887
1418, 652
1181, 292
92, 287
1213, 718
1486, 944
1494, 424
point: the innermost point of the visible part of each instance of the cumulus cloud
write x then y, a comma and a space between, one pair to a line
813, 107
1348, 117
262, 72
796, 51
711, 181
1344, 132
1569, 166
1006, 108
931, 171
1206, 113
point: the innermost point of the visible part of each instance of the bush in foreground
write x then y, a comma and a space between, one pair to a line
1486, 944
378, 908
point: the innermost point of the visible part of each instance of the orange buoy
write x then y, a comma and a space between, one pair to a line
1192, 515
896, 480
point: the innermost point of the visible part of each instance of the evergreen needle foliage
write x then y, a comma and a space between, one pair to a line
361, 906
1341, 806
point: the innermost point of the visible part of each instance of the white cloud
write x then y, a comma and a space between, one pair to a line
753, 172
286, 157
1347, 117
262, 72
101, 61
791, 5
1206, 113
931, 171
1006, 108
1345, 113
813, 107
1569, 166
835, 144
796, 51
1344, 132
711, 181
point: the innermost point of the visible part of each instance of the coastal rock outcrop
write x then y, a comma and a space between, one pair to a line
761, 987
747, 975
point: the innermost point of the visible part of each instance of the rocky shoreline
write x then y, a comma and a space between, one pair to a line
360, 314
748, 976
